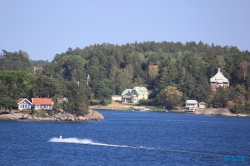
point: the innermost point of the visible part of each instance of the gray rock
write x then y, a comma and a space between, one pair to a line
25, 116
214, 111
62, 118
81, 118
94, 115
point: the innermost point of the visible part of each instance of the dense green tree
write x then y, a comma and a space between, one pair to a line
77, 99
16, 84
164, 82
15, 61
45, 87
220, 98
8, 103
170, 97
102, 92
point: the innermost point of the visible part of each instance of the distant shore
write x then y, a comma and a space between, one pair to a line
16, 115
214, 111
205, 111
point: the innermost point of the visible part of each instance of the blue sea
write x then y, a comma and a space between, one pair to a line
128, 138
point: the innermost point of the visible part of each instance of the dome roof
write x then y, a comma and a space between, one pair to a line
219, 77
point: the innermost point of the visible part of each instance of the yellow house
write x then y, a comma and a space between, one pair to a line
134, 95
202, 105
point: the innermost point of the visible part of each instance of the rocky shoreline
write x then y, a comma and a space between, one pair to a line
205, 111
92, 115
214, 111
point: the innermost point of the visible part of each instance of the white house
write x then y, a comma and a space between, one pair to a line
191, 104
24, 104
61, 100
42, 103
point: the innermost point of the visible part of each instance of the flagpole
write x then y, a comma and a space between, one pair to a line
88, 79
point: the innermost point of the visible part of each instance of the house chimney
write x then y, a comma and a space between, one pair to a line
218, 69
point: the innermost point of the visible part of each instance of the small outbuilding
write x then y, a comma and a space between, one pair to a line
116, 98
202, 105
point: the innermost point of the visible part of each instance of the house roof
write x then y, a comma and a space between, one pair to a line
126, 91
202, 103
41, 100
219, 77
140, 89
191, 102
21, 99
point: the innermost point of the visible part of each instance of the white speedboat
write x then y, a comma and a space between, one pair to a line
145, 109
142, 109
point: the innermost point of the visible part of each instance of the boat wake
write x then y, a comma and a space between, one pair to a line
90, 142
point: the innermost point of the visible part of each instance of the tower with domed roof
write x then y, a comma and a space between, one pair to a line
218, 80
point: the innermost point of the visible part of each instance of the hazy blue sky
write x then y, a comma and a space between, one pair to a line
44, 28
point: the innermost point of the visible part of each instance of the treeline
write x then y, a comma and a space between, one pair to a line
163, 67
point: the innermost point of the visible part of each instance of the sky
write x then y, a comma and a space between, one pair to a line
44, 28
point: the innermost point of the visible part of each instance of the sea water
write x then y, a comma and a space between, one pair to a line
128, 138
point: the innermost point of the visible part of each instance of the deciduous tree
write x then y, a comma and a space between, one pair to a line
170, 97
243, 69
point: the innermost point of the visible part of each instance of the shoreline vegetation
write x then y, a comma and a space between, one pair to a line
61, 116
95, 115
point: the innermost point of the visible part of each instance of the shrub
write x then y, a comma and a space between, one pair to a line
94, 102
25, 111
238, 109
40, 113
50, 112
146, 102
105, 102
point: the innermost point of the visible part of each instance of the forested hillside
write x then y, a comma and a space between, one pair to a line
182, 70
